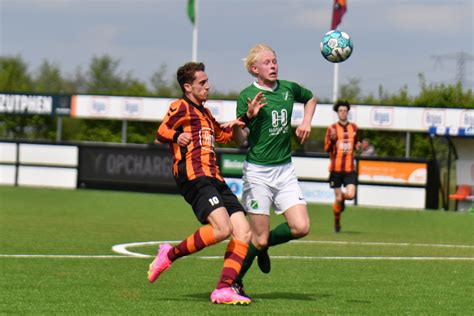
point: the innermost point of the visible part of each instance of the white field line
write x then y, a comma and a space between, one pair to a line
369, 243
67, 256
364, 258
220, 257
123, 252
122, 249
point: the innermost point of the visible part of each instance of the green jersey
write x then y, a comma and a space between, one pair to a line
270, 131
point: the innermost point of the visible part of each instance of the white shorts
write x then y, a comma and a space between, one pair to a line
270, 186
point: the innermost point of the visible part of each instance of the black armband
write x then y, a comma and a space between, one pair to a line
175, 136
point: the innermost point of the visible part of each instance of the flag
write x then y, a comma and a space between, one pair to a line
339, 9
191, 11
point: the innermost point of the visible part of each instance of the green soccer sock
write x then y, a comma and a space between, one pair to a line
280, 235
251, 254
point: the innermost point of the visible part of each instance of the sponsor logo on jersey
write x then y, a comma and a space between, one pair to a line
206, 138
279, 123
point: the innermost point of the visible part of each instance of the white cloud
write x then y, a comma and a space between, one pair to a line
436, 18
99, 39
312, 19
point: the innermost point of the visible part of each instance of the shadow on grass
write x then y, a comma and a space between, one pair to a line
348, 232
268, 296
290, 296
358, 301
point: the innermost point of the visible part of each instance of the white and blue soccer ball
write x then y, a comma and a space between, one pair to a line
336, 46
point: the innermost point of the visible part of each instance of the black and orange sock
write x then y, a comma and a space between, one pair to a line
233, 259
336, 208
202, 238
252, 252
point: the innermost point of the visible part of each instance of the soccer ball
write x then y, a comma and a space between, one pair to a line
336, 46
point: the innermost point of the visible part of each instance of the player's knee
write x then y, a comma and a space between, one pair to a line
349, 195
301, 230
222, 232
242, 233
260, 242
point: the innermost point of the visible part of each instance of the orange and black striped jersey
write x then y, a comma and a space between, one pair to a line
198, 159
341, 150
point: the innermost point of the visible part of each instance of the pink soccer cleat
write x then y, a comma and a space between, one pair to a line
160, 264
227, 295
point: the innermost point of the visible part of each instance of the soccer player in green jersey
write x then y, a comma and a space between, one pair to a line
268, 174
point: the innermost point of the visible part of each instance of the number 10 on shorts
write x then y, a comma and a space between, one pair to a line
214, 200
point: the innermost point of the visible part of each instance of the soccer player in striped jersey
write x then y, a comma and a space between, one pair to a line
269, 176
340, 142
191, 131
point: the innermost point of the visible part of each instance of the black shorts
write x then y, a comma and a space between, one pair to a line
206, 194
337, 179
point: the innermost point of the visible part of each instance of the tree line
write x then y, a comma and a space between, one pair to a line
102, 76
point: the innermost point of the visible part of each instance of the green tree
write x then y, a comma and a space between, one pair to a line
163, 88
103, 77
351, 91
441, 95
14, 75
49, 79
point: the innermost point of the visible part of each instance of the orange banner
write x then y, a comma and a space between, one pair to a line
392, 172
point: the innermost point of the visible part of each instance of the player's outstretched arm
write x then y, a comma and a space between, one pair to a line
304, 129
239, 132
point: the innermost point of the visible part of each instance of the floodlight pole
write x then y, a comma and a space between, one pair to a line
195, 30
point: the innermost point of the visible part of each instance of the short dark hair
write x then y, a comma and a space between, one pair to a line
340, 103
186, 73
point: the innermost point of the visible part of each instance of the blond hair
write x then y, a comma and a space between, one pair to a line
249, 61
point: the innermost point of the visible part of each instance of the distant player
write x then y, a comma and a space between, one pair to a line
367, 149
191, 130
340, 142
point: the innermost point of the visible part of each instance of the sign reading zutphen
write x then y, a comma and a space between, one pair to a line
34, 104
26, 104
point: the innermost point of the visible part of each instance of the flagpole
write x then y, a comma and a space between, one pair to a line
338, 10
195, 30
335, 83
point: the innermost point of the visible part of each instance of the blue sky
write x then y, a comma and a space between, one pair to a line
393, 40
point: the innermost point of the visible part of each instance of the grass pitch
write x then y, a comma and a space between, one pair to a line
56, 258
